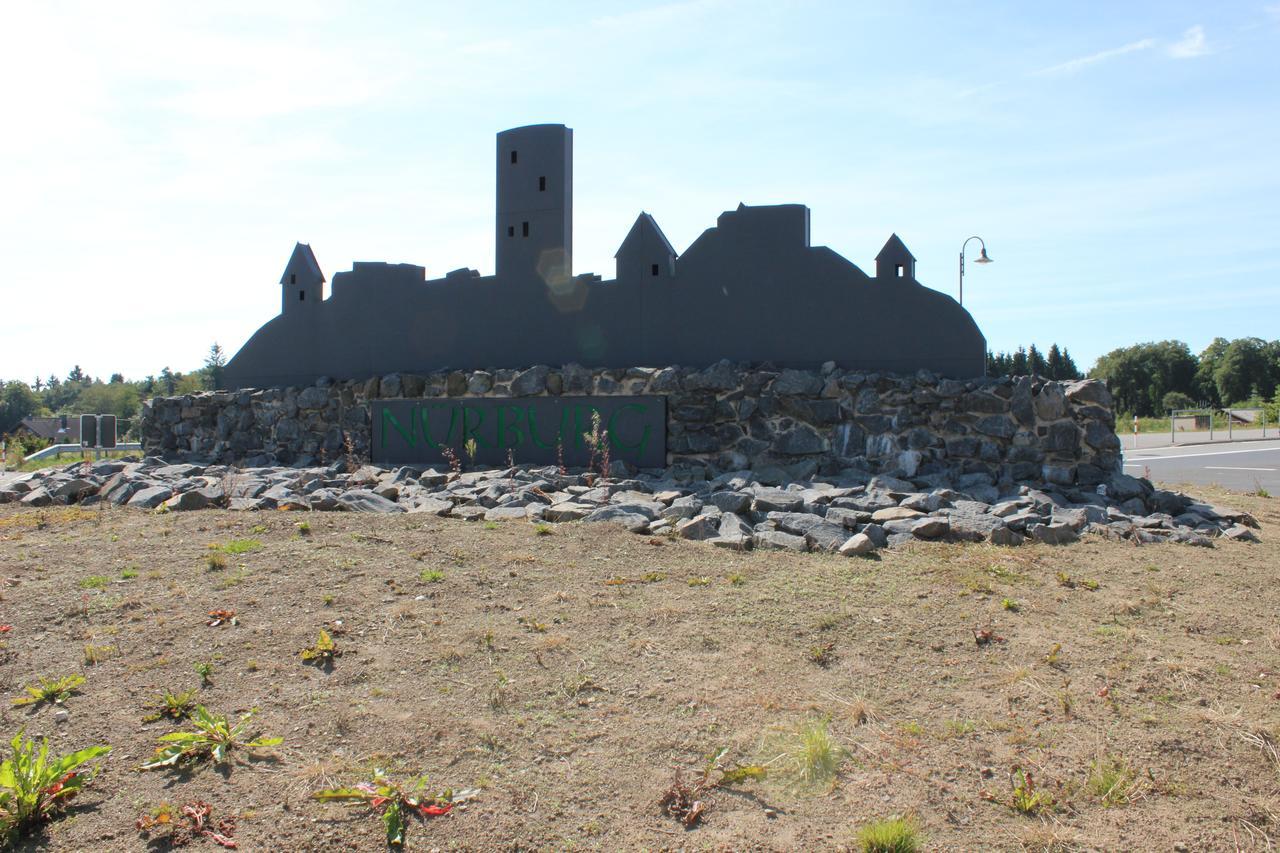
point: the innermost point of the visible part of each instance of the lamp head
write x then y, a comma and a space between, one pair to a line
982, 257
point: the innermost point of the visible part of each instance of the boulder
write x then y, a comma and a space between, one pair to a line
187, 501
363, 500
729, 501
530, 382
1054, 533
1240, 533
39, 496
1051, 402
733, 526
826, 536
702, 527
797, 383
567, 511
620, 514
931, 527
506, 513
877, 534
151, 497
1004, 536
795, 523
857, 545
895, 513
776, 540
777, 500
73, 490
431, 506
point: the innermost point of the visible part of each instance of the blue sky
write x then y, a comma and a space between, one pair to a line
1120, 159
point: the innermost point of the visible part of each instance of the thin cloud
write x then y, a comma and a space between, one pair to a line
1074, 65
1191, 45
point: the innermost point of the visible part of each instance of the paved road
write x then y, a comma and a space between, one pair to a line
1243, 466
1183, 439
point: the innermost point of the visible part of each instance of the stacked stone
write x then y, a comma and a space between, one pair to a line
854, 513
783, 425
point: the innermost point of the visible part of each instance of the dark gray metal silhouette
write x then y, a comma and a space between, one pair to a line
751, 289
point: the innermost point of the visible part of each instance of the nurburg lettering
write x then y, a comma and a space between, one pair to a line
410, 432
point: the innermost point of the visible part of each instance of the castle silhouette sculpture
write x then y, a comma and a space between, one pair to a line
751, 289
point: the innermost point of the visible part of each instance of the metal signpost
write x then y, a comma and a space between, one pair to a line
97, 433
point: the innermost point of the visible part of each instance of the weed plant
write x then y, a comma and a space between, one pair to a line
213, 738
34, 789
394, 801
55, 691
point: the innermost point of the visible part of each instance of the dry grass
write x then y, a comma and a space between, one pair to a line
569, 698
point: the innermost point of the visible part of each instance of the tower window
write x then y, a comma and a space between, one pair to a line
654, 269
524, 228
542, 184
302, 296
899, 270
513, 158
293, 278
511, 231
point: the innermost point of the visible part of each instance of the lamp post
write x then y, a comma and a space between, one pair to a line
981, 259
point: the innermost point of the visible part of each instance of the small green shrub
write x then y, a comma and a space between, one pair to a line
892, 835
1111, 780
94, 582
810, 755
431, 576
241, 546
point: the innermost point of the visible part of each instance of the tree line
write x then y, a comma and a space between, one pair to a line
1058, 364
1152, 378
80, 393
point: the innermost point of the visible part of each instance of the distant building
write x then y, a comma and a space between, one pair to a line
750, 289
59, 429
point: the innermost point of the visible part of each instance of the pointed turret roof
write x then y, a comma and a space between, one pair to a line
303, 264
646, 225
894, 250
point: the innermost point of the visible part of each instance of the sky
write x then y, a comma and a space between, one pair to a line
1120, 160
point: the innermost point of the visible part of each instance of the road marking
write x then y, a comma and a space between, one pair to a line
1225, 468
1197, 455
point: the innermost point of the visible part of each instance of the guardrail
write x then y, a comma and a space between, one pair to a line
57, 450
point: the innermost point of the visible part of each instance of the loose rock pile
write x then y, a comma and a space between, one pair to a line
852, 513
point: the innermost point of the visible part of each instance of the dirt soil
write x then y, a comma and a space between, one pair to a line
568, 673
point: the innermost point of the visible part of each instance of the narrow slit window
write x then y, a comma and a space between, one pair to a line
514, 158
542, 184
654, 269
900, 270
511, 231
302, 296
293, 278
524, 228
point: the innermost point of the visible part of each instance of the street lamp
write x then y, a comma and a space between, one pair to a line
981, 259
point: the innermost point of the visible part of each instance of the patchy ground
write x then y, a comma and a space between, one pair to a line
567, 675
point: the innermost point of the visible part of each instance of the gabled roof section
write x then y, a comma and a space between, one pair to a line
646, 225
303, 264
894, 250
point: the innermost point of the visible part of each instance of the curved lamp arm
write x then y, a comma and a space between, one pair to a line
981, 259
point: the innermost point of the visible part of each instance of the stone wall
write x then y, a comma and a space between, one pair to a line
783, 424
